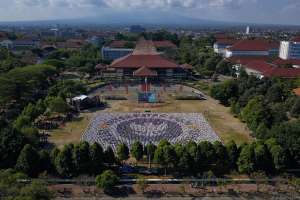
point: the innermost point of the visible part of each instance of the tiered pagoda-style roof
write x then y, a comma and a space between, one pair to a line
144, 55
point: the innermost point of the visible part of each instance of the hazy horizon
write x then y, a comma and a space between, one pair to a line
155, 11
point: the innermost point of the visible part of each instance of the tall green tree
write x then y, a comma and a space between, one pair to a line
246, 161
122, 152
64, 162
11, 143
137, 150
28, 161
233, 154
81, 158
97, 158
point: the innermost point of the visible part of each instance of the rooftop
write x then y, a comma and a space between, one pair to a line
254, 45
144, 55
144, 72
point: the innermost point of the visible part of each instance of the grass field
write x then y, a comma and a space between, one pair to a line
219, 117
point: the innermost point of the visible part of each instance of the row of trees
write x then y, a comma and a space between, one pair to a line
268, 107
188, 159
199, 54
83, 60
11, 188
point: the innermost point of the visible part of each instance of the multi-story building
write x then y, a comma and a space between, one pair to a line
290, 49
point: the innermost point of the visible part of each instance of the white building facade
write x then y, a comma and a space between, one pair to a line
289, 50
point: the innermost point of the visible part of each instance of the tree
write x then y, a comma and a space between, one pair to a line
32, 135
263, 159
28, 161
109, 156
122, 152
107, 180
255, 113
58, 104
222, 158
35, 191
165, 155
64, 163
233, 154
45, 161
246, 161
279, 157
225, 91
206, 151
150, 150
11, 143
81, 158
137, 150
97, 158
295, 109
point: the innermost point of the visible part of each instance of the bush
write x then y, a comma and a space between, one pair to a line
107, 180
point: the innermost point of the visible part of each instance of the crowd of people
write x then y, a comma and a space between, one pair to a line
111, 129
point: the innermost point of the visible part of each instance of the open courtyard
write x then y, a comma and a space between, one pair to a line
217, 117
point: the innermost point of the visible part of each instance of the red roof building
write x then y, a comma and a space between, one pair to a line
263, 69
144, 72
146, 57
281, 62
253, 47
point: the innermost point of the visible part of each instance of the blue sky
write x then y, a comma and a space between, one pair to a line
258, 11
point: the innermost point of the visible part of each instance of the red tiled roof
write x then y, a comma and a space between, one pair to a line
246, 59
280, 61
164, 44
283, 72
254, 45
296, 39
271, 70
144, 72
118, 44
144, 55
297, 91
260, 66
150, 61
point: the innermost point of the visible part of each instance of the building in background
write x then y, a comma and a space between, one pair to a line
253, 47
248, 30
290, 49
110, 54
222, 44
